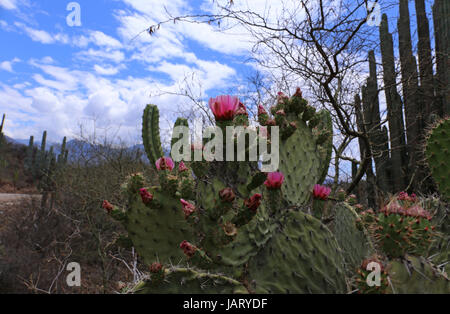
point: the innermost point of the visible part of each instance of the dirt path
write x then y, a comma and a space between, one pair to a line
8, 200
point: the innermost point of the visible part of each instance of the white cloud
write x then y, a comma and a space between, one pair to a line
92, 55
8, 4
107, 70
7, 65
35, 34
101, 39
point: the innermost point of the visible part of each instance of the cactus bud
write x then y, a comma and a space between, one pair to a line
298, 92
188, 249
253, 202
145, 196
227, 195
182, 167
156, 267
107, 206
188, 208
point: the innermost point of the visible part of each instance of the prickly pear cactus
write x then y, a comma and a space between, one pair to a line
302, 257
417, 275
305, 148
178, 280
352, 236
437, 152
365, 283
404, 226
226, 227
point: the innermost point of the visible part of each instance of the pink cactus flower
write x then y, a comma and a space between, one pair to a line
107, 206
188, 208
182, 167
224, 107
261, 110
253, 202
145, 196
403, 196
274, 180
281, 112
188, 248
165, 163
321, 192
241, 110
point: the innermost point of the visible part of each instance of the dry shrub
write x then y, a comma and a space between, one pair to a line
39, 242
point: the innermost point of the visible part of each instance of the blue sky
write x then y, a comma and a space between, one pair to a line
55, 77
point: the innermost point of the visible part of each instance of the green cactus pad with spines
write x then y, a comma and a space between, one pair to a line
179, 280
250, 237
415, 275
150, 134
301, 165
157, 231
352, 238
437, 152
301, 257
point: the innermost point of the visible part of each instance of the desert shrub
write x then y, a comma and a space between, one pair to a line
37, 242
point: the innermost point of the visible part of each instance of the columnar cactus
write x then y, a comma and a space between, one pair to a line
1, 129
394, 108
441, 21
410, 86
430, 104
